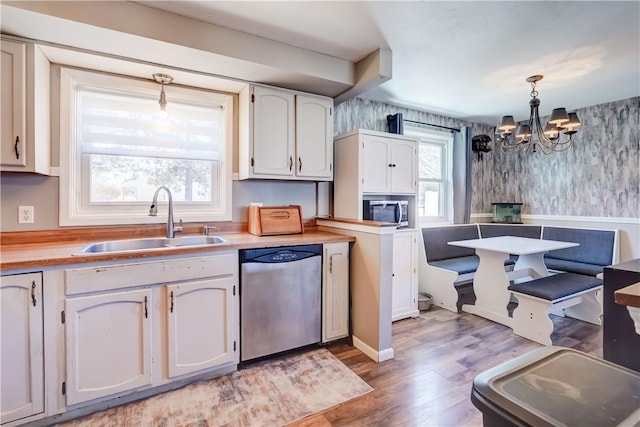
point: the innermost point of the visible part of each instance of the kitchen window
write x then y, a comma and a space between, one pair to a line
435, 190
116, 149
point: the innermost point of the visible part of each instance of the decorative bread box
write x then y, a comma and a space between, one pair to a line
273, 220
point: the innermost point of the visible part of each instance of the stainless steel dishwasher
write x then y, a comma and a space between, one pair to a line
280, 299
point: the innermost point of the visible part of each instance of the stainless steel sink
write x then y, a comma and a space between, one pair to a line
151, 243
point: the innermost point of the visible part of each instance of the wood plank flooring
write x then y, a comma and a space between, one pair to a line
437, 355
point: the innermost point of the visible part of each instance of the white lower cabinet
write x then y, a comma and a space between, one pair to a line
134, 326
21, 346
405, 288
198, 323
335, 291
108, 343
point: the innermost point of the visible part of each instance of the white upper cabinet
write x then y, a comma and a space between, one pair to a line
404, 168
389, 165
285, 135
314, 137
25, 109
376, 165
14, 88
273, 132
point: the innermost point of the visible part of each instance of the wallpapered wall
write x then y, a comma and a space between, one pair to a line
598, 176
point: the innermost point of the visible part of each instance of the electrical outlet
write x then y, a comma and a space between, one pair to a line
25, 214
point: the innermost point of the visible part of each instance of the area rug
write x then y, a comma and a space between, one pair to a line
269, 393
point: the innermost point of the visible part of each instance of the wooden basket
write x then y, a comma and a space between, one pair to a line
274, 220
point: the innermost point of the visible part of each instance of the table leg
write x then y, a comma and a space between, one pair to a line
490, 284
534, 262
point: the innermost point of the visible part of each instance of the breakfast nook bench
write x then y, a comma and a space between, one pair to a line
575, 294
446, 272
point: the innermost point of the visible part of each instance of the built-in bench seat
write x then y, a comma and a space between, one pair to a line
518, 230
598, 249
575, 294
446, 272
461, 265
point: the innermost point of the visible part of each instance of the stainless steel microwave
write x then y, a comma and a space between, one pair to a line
395, 211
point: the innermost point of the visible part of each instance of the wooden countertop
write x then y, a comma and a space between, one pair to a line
56, 252
629, 296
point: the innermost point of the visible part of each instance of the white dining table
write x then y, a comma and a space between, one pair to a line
491, 281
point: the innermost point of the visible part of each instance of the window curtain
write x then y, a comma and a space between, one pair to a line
462, 176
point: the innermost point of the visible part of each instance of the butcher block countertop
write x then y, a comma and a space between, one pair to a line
39, 249
629, 295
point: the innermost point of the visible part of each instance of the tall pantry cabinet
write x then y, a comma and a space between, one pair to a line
371, 165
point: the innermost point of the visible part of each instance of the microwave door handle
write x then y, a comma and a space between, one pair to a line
398, 213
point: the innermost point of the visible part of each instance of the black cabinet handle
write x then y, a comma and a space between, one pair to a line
171, 302
290, 163
15, 147
33, 293
299, 164
146, 312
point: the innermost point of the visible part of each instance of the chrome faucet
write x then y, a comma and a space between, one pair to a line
172, 229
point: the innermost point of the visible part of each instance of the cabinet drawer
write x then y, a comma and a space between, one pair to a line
101, 278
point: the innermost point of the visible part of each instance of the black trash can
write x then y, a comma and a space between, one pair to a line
557, 386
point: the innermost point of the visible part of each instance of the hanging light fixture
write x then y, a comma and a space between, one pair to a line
163, 79
557, 135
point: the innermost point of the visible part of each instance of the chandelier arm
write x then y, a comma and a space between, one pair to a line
510, 146
544, 140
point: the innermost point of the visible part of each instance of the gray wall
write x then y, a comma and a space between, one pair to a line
599, 176
41, 192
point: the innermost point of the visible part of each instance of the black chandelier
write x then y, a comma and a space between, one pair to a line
557, 135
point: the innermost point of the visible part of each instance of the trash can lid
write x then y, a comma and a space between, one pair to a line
561, 386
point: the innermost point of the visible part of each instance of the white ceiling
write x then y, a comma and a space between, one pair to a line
460, 59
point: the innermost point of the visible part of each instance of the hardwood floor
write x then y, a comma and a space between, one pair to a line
437, 355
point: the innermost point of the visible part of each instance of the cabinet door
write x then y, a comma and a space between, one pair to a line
376, 165
21, 346
108, 343
405, 292
13, 77
273, 132
335, 291
403, 172
314, 137
200, 325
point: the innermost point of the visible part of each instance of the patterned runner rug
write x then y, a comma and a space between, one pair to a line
269, 393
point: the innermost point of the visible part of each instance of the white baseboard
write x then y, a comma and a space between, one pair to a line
378, 356
386, 354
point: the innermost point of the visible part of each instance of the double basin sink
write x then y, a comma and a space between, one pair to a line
117, 246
